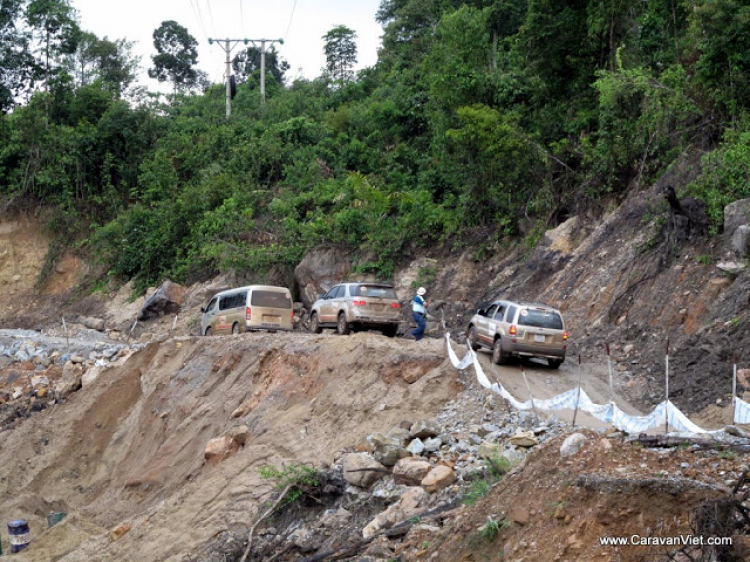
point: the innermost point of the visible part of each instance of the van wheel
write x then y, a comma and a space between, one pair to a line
472, 337
209, 331
315, 325
499, 357
554, 363
235, 329
343, 327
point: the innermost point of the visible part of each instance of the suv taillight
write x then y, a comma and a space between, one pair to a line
395, 305
359, 303
513, 331
565, 336
248, 313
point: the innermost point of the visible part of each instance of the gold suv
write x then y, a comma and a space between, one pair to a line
519, 329
358, 306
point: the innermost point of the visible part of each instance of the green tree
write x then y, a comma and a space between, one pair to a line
247, 62
341, 53
55, 27
16, 60
176, 56
112, 62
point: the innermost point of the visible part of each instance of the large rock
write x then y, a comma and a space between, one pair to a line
167, 299
92, 323
564, 238
425, 429
524, 439
740, 241
361, 469
411, 471
572, 444
736, 214
220, 448
386, 450
438, 478
321, 269
411, 504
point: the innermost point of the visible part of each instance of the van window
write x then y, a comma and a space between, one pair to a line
270, 299
370, 291
211, 305
540, 319
233, 301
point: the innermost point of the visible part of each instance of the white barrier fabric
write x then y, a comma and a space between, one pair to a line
741, 411
609, 413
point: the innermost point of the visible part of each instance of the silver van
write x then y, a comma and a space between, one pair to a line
255, 307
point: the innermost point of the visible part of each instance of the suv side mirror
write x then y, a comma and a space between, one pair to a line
203, 309
321, 296
482, 312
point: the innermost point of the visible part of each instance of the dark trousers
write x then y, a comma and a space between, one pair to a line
418, 333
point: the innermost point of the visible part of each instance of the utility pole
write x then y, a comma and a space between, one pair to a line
263, 63
229, 44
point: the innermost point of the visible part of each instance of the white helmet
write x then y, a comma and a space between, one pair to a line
421, 291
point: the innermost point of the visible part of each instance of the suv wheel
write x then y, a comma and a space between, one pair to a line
315, 325
499, 357
235, 329
472, 337
343, 327
554, 363
390, 331
209, 331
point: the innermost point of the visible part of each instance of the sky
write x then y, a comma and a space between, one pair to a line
301, 23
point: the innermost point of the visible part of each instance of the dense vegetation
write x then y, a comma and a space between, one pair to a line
500, 116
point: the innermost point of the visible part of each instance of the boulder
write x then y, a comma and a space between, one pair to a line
220, 448
564, 237
572, 444
488, 450
70, 381
524, 439
386, 450
736, 214
424, 429
740, 241
411, 504
167, 299
240, 434
416, 447
92, 323
320, 269
411, 471
438, 478
361, 469
432, 444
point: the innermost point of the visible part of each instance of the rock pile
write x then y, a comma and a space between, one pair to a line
36, 372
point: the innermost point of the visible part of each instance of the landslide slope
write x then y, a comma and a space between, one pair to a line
129, 448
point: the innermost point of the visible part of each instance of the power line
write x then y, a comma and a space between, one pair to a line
288, 27
211, 16
199, 19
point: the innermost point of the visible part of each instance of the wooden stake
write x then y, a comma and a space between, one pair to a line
666, 392
578, 395
528, 387
611, 385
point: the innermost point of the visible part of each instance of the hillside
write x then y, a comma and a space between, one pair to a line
127, 450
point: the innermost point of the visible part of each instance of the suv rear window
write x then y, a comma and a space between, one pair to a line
540, 319
270, 299
370, 291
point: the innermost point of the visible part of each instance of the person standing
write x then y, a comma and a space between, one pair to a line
418, 308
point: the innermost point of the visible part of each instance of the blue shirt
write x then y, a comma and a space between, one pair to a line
418, 305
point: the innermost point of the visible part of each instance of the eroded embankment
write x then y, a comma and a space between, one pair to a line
130, 447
